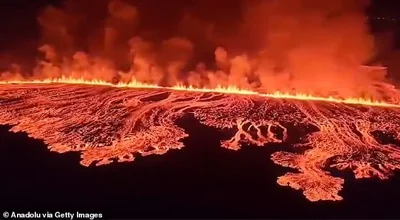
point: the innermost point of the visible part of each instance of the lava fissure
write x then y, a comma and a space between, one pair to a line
219, 89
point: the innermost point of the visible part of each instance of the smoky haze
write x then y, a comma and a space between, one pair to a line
307, 46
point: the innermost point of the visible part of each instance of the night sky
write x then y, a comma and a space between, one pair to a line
19, 26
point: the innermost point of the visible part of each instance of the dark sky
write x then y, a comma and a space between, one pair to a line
391, 7
20, 31
18, 17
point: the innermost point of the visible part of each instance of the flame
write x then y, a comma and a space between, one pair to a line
219, 89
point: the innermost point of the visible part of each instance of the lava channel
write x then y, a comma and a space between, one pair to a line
108, 123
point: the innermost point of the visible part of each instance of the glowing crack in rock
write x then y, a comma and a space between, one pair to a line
112, 122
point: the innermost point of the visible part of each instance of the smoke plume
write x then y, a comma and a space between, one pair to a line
307, 46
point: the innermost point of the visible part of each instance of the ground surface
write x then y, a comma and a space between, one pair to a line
197, 181
102, 124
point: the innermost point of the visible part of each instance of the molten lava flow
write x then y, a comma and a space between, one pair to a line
218, 89
104, 123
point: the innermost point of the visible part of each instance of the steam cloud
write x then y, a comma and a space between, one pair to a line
307, 46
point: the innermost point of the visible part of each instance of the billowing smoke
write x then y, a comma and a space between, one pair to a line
307, 46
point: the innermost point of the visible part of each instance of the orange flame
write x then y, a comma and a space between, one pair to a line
219, 89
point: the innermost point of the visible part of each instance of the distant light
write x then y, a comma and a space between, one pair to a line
386, 18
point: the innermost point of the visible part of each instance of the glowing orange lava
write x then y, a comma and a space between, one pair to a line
218, 89
106, 123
